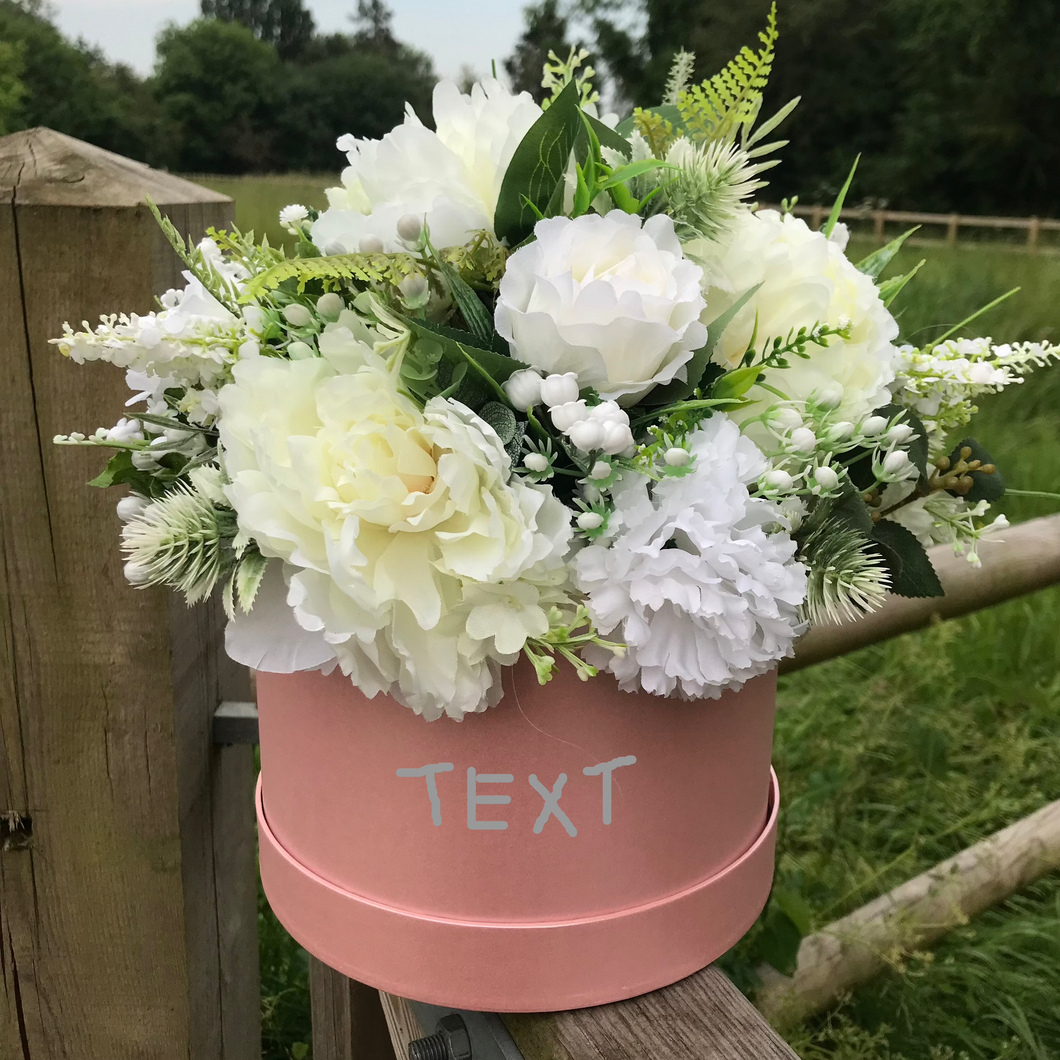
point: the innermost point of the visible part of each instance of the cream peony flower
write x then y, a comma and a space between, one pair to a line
603, 297
451, 176
696, 584
805, 279
406, 547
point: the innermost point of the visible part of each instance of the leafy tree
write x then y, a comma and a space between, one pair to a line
285, 24
545, 31
216, 85
70, 87
12, 63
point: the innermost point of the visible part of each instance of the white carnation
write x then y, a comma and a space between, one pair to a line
613, 302
697, 582
406, 547
806, 279
450, 175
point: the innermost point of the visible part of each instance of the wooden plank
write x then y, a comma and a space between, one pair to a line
703, 1016
402, 1022
852, 950
349, 1021
121, 933
1020, 560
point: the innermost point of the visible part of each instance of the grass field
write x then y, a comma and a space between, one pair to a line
899, 755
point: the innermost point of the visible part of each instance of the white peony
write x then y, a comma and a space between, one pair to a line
405, 545
451, 175
806, 279
694, 583
615, 303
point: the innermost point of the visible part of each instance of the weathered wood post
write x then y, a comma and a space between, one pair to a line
127, 900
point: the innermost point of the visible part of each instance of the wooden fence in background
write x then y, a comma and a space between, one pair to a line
952, 223
128, 926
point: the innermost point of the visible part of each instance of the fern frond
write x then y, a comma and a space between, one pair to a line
480, 262
656, 130
719, 107
370, 269
680, 75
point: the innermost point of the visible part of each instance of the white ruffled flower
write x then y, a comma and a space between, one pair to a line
605, 298
405, 544
806, 279
450, 175
291, 217
696, 582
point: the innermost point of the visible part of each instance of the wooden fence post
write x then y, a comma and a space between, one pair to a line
128, 923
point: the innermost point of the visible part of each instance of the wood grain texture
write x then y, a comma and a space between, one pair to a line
348, 1018
852, 950
120, 935
403, 1023
1020, 560
703, 1016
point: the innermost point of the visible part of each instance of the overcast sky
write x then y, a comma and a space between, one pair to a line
455, 32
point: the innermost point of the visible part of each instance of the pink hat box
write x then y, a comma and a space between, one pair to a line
573, 846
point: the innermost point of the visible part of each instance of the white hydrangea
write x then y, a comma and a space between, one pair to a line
450, 175
697, 582
806, 279
405, 545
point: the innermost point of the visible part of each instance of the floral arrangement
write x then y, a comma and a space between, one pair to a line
541, 383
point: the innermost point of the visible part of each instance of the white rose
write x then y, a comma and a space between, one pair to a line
391, 521
451, 176
613, 302
806, 279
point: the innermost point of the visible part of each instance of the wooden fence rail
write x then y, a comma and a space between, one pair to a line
127, 843
952, 222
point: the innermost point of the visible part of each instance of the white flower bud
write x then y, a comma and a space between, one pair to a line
1000, 523
900, 432
785, 419
143, 460
777, 480
297, 315
413, 287
410, 228
587, 435
677, 457
567, 415
826, 478
523, 389
896, 463
559, 389
803, 439
609, 412
535, 462
590, 520
330, 305
617, 437
333, 247
300, 351
873, 425
135, 574
829, 397
601, 469
840, 432
129, 507
371, 245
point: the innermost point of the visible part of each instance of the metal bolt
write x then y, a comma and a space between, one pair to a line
450, 1041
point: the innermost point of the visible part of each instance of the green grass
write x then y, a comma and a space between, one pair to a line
899, 755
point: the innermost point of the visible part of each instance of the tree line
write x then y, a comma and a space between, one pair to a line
952, 104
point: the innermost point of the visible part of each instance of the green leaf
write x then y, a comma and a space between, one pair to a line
770, 124
498, 366
248, 577
609, 137
837, 209
890, 289
678, 391
498, 345
501, 418
537, 167
878, 260
911, 571
120, 470
475, 313
624, 174
736, 383
986, 486
850, 508
977, 314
